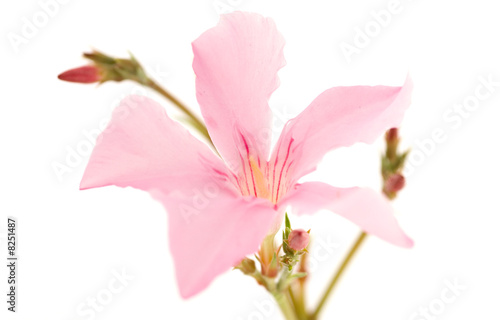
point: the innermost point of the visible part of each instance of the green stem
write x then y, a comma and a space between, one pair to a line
297, 302
337, 276
195, 121
294, 300
301, 284
285, 305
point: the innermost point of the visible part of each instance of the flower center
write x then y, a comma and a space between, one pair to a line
265, 179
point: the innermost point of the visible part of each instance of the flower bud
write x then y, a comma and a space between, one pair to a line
392, 142
85, 74
391, 135
298, 239
247, 266
395, 183
106, 68
116, 69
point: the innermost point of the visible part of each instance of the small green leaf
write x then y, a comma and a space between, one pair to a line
287, 222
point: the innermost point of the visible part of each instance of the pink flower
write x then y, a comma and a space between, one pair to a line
220, 210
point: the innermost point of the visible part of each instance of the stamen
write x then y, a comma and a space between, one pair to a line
281, 173
250, 165
260, 181
243, 164
274, 167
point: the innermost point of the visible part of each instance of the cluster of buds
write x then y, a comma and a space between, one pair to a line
105, 68
393, 164
294, 247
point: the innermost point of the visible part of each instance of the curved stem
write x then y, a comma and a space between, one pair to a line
339, 273
195, 121
298, 302
293, 299
285, 306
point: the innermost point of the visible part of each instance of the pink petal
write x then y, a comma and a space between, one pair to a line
340, 117
212, 232
371, 211
143, 148
236, 65
212, 227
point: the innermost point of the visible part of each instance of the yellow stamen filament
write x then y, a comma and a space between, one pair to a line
260, 181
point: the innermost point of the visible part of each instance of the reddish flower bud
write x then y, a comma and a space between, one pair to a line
298, 239
395, 183
85, 74
391, 135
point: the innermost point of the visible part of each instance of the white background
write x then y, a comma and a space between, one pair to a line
70, 241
